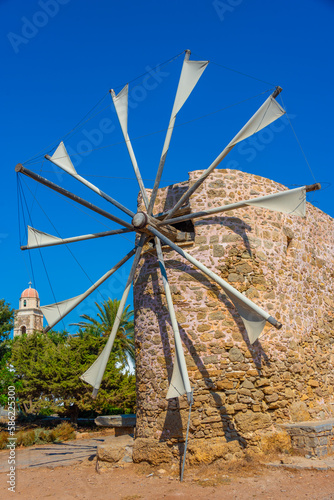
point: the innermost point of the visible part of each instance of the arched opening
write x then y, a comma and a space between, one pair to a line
23, 330
24, 303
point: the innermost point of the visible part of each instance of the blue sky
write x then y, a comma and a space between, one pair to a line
60, 58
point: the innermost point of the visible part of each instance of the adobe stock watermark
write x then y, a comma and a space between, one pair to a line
11, 440
252, 146
31, 26
223, 7
92, 138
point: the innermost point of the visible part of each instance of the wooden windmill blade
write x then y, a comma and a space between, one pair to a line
40, 239
62, 159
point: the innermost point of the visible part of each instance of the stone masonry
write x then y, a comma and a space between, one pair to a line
283, 263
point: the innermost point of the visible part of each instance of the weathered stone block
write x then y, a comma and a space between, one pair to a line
251, 421
202, 451
116, 449
151, 451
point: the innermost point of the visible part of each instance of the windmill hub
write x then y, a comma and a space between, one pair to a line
140, 220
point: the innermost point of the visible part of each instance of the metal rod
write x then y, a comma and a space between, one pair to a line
95, 189
94, 374
130, 149
185, 444
92, 288
208, 171
63, 241
226, 286
231, 206
20, 168
177, 338
165, 149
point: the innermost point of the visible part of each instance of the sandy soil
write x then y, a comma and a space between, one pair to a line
139, 482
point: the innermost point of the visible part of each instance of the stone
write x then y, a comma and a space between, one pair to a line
151, 451
218, 250
251, 421
235, 355
116, 449
299, 412
224, 384
127, 420
207, 451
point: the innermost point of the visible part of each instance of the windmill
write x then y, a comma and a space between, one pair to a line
160, 229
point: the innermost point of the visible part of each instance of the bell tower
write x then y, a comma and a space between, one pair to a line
29, 316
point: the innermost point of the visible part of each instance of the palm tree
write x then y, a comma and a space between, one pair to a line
124, 345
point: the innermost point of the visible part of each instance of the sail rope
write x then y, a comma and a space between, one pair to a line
82, 121
238, 72
164, 130
40, 253
67, 246
298, 142
19, 211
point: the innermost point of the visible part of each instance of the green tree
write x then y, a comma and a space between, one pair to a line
6, 324
48, 367
124, 345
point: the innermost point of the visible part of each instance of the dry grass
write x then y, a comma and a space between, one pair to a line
63, 432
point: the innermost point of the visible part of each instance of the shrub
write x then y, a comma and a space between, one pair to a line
277, 442
3, 440
63, 432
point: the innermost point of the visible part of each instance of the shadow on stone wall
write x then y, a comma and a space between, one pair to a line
174, 423
235, 224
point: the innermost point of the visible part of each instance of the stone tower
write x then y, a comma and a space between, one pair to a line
29, 317
241, 391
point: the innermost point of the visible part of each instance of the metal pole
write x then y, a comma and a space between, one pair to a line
178, 344
165, 149
226, 286
95, 189
92, 288
208, 171
63, 241
239, 204
20, 168
186, 444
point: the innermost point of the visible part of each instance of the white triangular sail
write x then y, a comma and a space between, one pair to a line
289, 202
190, 74
265, 115
94, 374
61, 158
37, 238
55, 312
176, 387
254, 322
121, 106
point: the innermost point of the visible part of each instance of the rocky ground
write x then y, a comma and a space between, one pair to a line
241, 481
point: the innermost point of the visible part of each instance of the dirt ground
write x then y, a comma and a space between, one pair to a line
139, 482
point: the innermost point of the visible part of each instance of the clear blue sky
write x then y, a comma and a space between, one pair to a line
60, 58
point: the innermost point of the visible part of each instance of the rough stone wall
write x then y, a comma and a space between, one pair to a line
283, 263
